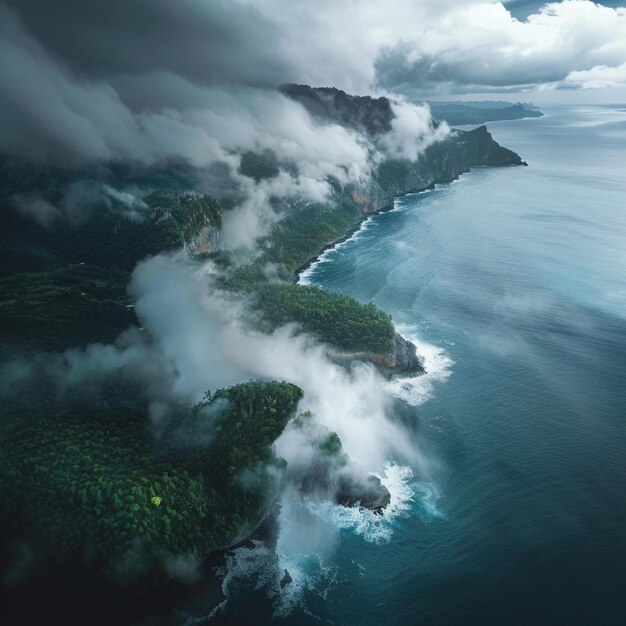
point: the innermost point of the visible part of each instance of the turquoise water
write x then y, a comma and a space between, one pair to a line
513, 282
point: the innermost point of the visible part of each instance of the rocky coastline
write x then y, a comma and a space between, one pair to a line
462, 151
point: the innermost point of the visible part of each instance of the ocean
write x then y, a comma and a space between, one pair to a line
512, 283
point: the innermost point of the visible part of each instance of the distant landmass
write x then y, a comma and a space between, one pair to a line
459, 113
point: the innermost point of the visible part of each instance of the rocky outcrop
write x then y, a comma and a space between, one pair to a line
348, 485
403, 362
328, 473
366, 490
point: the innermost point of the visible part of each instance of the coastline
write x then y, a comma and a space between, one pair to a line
264, 525
355, 229
335, 243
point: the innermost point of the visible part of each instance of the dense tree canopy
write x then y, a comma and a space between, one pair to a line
336, 319
97, 486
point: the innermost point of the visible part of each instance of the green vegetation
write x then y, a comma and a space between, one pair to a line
172, 220
110, 237
299, 238
65, 307
336, 319
65, 286
95, 487
84, 485
294, 241
82, 481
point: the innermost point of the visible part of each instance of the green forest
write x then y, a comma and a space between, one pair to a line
87, 482
336, 319
96, 487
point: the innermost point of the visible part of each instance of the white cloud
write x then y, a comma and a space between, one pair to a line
411, 130
598, 77
484, 46
419, 45
196, 340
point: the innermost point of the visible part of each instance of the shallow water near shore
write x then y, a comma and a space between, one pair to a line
512, 281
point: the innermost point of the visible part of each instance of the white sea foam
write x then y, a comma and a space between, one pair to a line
263, 568
373, 527
418, 193
427, 495
437, 363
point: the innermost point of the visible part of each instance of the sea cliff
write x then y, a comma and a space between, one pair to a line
80, 271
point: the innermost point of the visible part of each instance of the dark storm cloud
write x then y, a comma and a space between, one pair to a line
193, 79
203, 41
432, 74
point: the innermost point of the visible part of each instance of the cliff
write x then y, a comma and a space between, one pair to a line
441, 162
300, 238
372, 116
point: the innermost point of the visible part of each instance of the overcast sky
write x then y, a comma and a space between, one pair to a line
154, 78
425, 48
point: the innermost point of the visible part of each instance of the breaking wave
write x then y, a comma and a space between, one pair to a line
436, 362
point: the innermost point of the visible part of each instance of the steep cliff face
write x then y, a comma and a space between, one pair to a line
403, 363
442, 162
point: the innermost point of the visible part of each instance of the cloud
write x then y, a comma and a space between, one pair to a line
57, 114
152, 81
412, 130
598, 77
79, 201
418, 48
483, 47
200, 41
35, 206
196, 339
202, 335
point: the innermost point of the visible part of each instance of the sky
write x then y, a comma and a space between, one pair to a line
156, 78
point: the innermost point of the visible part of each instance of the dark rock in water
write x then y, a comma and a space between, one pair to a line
368, 491
407, 361
404, 362
332, 475
286, 579
348, 487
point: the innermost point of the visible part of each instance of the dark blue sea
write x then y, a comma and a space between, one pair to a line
512, 283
